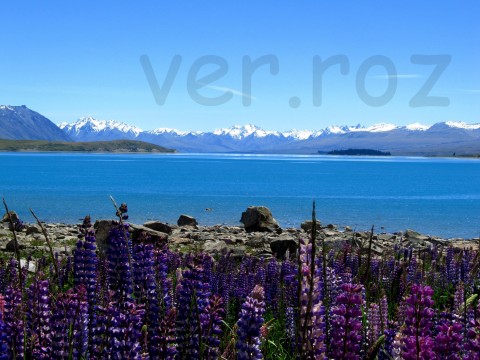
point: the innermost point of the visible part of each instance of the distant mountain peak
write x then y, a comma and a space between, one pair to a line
21, 123
89, 124
462, 125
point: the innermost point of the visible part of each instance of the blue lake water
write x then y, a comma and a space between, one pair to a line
430, 195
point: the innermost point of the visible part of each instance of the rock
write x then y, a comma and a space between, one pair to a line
281, 245
259, 218
348, 229
11, 245
13, 215
160, 226
212, 247
187, 220
34, 229
307, 225
156, 237
102, 232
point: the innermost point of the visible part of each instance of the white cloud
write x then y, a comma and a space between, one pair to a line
233, 91
398, 76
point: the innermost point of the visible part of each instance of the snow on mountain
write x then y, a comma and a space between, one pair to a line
94, 125
462, 125
167, 131
241, 132
417, 127
251, 138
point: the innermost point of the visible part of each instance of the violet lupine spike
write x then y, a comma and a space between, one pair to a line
193, 295
448, 341
14, 325
166, 339
38, 320
119, 271
70, 325
346, 323
417, 340
211, 321
249, 325
311, 324
3, 340
145, 290
162, 260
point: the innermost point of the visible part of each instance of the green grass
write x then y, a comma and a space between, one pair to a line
129, 146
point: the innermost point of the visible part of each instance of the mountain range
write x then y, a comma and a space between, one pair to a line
443, 138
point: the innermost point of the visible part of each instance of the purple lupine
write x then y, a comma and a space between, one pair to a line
85, 264
118, 255
211, 321
311, 324
166, 336
346, 323
249, 325
162, 259
125, 330
14, 325
38, 317
417, 339
4, 352
448, 341
193, 295
70, 324
145, 291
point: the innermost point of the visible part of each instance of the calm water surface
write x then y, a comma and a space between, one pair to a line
435, 196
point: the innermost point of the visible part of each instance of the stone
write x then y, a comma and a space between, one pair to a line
11, 245
34, 229
212, 247
102, 232
13, 215
307, 226
187, 220
281, 245
160, 226
259, 218
155, 237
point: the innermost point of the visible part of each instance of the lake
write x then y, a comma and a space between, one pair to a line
437, 196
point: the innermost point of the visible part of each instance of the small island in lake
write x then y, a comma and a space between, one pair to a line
360, 152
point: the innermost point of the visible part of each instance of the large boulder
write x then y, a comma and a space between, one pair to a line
102, 232
142, 233
13, 215
282, 244
259, 218
187, 220
160, 226
307, 226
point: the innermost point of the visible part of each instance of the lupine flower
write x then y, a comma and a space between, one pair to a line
448, 341
38, 320
210, 321
193, 295
14, 325
119, 271
251, 320
417, 340
346, 323
311, 324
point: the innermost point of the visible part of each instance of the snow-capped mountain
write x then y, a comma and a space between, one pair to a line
90, 129
440, 138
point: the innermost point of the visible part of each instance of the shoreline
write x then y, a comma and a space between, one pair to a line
191, 237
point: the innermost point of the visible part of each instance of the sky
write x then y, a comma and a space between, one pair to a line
67, 60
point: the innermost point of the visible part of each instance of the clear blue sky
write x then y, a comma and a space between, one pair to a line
81, 58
